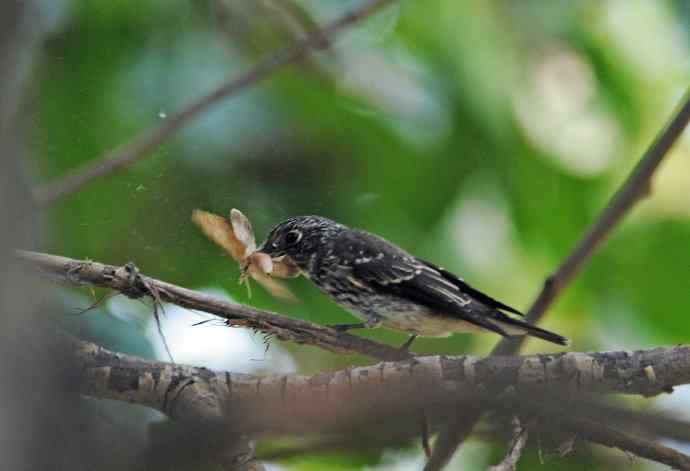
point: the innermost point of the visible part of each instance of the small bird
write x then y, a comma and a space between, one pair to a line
384, 285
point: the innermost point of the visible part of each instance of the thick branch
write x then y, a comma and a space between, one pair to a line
325, 400
149, 140
636, 186
128, 281
346, 399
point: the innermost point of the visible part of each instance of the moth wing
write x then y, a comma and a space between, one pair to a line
243, 230
273, 286
220, 231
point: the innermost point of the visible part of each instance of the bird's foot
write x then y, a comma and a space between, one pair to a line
369, 324
346, 327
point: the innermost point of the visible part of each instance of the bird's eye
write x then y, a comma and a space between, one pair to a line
292, 237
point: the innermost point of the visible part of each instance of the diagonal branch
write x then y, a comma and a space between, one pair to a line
149, 140
130, 282
635, 187
605, 435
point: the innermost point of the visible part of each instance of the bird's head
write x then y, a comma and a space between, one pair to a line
296, 239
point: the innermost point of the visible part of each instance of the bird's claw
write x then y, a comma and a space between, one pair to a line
345, 327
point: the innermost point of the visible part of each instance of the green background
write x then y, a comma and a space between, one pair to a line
485, 136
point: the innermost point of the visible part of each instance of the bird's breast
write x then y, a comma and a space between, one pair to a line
427, 324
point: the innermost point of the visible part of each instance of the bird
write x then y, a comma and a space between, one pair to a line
384, 285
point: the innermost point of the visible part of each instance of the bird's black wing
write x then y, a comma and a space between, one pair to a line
385, 268
475, 293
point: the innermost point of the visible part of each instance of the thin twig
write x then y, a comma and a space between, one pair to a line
648, 421
517, 445
580, 421
635, 187
149, 140
426, 436
282, 327
597, 432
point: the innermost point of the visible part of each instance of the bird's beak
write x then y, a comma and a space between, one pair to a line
282, 266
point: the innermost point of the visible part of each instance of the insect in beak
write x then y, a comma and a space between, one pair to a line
281, 267
236, 236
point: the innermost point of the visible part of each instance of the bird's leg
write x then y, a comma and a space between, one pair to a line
408, 343
370, 323
346, 327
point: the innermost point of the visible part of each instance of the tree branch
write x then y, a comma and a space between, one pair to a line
517, 445
408, 384
597, 432
346, 399
149, 140
647, 422
128, 281
635, 187
177, 391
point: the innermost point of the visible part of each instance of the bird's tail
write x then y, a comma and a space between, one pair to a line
514, 326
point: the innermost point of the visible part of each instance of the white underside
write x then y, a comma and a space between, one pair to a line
428, 325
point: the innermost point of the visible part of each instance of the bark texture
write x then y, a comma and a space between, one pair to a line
130, 282
349, 397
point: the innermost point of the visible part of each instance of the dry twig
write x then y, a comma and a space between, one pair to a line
601, 434
517, 445
282, 327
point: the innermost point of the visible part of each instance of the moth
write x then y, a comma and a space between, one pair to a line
235, 235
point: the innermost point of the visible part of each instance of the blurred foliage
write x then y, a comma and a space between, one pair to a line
485, 136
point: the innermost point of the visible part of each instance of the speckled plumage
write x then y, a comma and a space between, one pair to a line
383, 284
